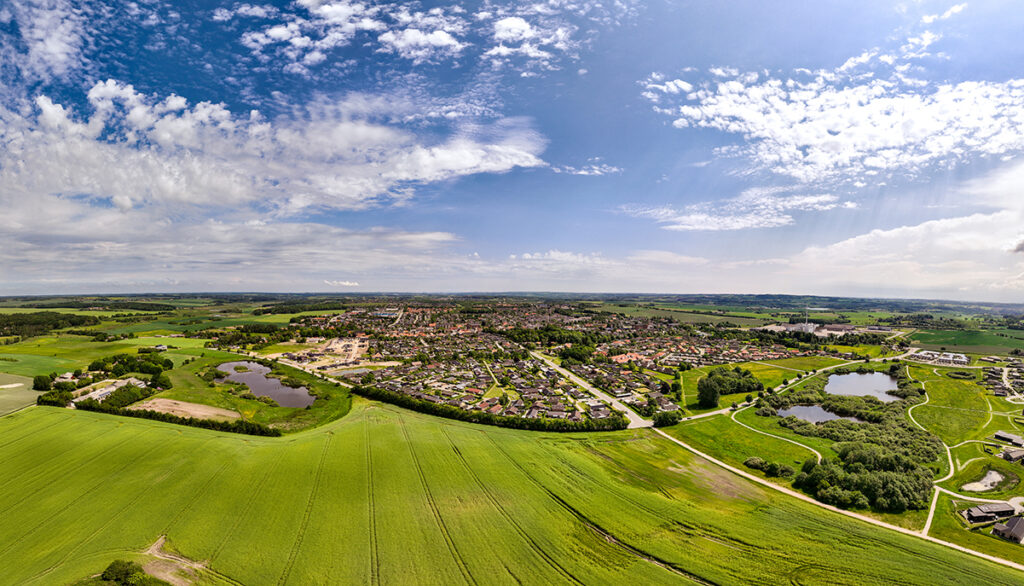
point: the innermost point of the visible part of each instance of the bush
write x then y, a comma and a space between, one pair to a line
754, 462
666, 418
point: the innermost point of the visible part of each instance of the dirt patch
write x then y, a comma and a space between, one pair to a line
185, 409
171, 567
720, 482
991, 480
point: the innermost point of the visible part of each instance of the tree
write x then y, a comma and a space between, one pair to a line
707, 393
42, 382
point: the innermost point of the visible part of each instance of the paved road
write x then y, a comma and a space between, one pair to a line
635, 420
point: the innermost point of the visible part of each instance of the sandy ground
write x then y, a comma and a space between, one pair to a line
185, 409
990, 481
12, 386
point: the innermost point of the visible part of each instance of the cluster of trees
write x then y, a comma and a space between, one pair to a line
150, 363
124, 573
666, 418
867, 476
576, 355
884, 462
101, 336
234, 426
770, 469
293, 307
551, 335
723, 381
452, 412
42, 322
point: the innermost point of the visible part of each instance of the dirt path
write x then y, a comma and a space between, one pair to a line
170, 567
863, 518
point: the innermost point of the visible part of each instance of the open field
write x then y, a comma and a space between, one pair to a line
975, 341
769, 375
957, 410
390, 496
14, 397
61, 353
680, 315
806, 362
184, 409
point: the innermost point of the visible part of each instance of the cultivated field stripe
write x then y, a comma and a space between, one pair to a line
452, 549
245, 512
510, 518
374, 559
309, 509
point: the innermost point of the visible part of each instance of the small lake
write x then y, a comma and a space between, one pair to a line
856, 384
264, 386
811, 413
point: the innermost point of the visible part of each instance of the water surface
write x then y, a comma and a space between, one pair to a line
264, 386
811, 413
856, 384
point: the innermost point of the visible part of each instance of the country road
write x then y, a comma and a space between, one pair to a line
635, 421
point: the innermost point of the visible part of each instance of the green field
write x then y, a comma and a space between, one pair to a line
15, 398
390, 496
999, 341
769, 375
806, 362
680, 315
957, 410
61, 353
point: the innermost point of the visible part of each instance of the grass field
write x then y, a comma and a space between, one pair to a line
976, 341
15, 398
61, 353
806, 362
769, 375
957, 410
680, 315
389, 496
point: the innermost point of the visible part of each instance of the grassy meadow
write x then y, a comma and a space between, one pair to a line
389, 496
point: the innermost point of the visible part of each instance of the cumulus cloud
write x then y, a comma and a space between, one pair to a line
53, 33
754, 208
953, 10
140, 149
341, 283
594, 167
866, 119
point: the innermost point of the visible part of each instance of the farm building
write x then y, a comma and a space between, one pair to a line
1009, 438
1012, 530
988, 512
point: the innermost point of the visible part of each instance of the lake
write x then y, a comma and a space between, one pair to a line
811, 413
264, 386
856, 384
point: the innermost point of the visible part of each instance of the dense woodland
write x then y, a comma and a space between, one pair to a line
42, 322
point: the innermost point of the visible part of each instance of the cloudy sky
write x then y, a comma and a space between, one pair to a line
854, 148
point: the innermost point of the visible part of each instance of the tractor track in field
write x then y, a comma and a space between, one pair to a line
688, 529
68, 554
195, 497
509, 518
31, 433
452, 549
374, 555
308, 513
62, 472
244, 514
99, 484
598, 530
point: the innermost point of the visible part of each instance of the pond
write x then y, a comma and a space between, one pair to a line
264, 386
857, 384
811, 413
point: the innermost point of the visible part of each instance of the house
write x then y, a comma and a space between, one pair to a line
988, 512
1013, 455
1012, 530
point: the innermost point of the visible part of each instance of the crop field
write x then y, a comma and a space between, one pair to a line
14, 398
976, 341
389, 496
680, 315
60, 353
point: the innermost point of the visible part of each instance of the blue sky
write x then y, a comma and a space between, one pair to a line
844, 148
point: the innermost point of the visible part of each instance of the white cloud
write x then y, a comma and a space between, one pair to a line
955, 9
54, 34
857, 123
754, 208
418, 46
341, 283
139, 149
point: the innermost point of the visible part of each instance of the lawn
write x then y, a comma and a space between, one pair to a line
389, 496
769, 375
806, 362
957, 410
